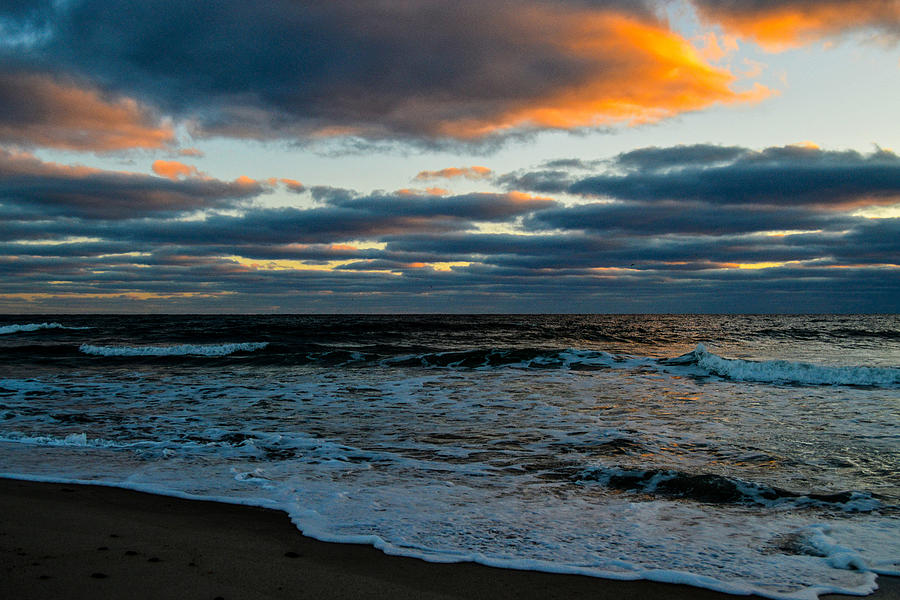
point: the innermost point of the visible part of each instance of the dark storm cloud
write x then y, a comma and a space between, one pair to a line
440, 70
789, 176
39, 189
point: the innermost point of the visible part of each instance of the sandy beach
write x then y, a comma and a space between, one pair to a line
71, 541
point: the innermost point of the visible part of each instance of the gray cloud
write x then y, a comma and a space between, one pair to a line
781, 176
420, 251
681, 218
36, 189
655, 158
54, 111
425, 69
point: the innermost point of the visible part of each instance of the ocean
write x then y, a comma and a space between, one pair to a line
740, 453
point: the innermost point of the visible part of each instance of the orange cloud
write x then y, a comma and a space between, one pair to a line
431, 191
714, 48
13, 163
643, 72
174, 169
473, 173
41, 111
293, 185
785, 24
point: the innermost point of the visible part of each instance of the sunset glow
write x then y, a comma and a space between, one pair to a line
448, 157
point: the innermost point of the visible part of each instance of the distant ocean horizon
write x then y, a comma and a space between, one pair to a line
741, 453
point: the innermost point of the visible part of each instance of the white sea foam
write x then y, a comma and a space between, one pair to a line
465, 464
176, 350
342, 516
28, 327
787, 372
80, 440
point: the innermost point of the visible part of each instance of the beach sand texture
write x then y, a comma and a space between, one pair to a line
72, 541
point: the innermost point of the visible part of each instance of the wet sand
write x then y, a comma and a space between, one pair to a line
73, 541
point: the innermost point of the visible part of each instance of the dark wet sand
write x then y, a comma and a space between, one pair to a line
70, 541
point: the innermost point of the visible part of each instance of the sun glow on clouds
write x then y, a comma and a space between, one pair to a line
126, 295
758, 265
174, 170
473, 173
879, 212
785, 25
714, 214
284, 264
644, 73
59, 114
333, 265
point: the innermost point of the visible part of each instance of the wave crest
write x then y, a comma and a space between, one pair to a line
782, 371
177, 350
28, 327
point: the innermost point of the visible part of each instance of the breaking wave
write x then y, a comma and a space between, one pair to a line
178, 350
698, 362
78, 440
786, 372
29, 327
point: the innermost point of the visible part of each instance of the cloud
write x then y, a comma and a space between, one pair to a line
786, 176
474, 207
473, 173
38, 190
40, 110
293, 185
347, 217
781, 24
121, 239
680, 218
655, 158
383, 69
174, 170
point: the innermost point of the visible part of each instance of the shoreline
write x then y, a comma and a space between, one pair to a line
61, 540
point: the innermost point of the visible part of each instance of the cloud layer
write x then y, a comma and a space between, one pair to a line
790, 176
659, 233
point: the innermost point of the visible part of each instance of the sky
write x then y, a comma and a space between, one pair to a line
423, 156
